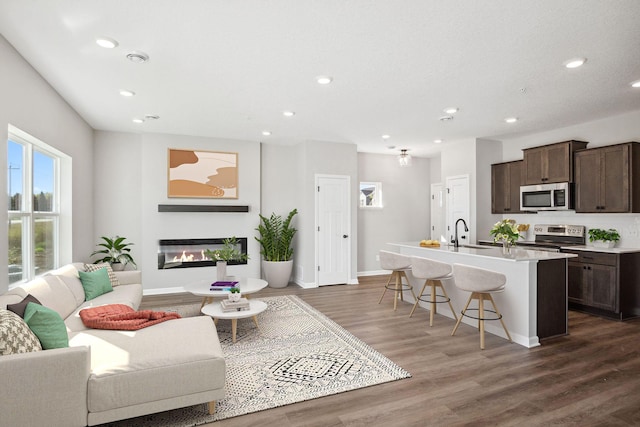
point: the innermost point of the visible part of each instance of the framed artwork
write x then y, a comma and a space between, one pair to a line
204, 174
371, 195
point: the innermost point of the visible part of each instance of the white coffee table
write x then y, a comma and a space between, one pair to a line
214, 310
247, 285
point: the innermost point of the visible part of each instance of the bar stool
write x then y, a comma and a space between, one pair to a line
399, 264
481, 283
433, 272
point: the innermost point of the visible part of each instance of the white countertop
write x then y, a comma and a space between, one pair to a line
517, 254
603, 250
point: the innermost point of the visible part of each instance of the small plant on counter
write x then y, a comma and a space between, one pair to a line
610, 235
505, 231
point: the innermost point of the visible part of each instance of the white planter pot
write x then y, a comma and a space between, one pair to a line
221, 270
235, 297
603, 244
277, 273
117, 266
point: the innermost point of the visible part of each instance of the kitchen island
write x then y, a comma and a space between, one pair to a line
534, 303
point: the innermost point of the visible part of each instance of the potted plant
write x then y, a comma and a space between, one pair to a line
505, 231
276, 236
114, 251
603, 238
234, 294
228, 252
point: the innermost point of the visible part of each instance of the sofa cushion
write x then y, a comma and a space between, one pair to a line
130, 295
186, 358
112, 275
47, 325
19, 307
15, 335
95, 283
52, 292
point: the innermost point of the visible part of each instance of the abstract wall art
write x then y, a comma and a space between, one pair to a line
203, 174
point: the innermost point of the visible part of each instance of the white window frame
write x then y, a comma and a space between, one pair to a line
62, 229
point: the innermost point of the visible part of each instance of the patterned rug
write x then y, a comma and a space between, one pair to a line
297, 354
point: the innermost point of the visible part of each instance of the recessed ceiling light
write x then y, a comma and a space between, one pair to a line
386, 136
138, 57
511, 119
575, 62
636, 83
451, 110
106, 42
137, 120
127, 93
151, 116
266, 132
324, 80
288, 113
437, 141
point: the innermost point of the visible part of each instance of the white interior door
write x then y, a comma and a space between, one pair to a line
333, 254
438, 218
458, 202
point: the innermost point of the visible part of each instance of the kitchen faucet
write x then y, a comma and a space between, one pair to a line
455, 240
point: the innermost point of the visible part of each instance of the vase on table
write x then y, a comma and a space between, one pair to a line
235, 296
221, 270
506, 247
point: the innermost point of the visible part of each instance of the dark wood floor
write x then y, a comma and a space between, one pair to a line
589, 378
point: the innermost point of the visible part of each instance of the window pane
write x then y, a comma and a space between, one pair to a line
15, 250
15, 168
44, 249
43, 182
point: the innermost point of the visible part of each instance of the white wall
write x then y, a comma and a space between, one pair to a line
32, 105
133, 211
606, 131
487, 153
406, 215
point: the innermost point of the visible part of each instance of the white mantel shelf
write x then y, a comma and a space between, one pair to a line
518, 302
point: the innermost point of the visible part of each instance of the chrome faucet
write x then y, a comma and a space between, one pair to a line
455, 240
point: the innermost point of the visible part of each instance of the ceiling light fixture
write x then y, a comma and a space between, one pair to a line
127, 93
575, 62
437, 141
106, 42
511, 119
137, 120
404, 158
288, 113
451, 110
138, 57
386, 136
635, 84
266, 133
324, 80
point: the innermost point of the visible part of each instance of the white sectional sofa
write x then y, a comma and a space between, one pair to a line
107, 375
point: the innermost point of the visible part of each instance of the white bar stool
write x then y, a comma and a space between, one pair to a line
481, 283
433, 272
399, 264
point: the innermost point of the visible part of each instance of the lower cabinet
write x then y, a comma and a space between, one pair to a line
607, 284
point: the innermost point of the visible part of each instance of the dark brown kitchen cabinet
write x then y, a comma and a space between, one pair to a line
604, 179
550, 163
606, 284
506, 179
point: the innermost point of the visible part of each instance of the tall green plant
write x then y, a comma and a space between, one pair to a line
114, 250
276, 236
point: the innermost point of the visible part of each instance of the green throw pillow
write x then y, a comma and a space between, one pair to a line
95, 283
47, 325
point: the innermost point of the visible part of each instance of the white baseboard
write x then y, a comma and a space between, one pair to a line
373, 273
163, 291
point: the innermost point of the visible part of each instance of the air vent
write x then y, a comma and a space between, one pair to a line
138, 57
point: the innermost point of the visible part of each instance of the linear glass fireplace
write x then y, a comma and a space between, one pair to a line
189, 253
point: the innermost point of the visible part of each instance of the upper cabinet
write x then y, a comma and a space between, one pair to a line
550, 163
506, 179
604, 179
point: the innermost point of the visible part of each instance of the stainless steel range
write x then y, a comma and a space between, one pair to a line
553, 237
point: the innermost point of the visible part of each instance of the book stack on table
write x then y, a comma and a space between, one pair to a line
241, 305
222, 286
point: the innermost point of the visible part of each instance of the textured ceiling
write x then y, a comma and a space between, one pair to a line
229, 68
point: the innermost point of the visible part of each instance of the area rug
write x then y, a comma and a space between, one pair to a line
297, 354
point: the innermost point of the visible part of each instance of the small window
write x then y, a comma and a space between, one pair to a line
370, 194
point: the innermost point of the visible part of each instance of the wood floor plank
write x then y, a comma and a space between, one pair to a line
590, 377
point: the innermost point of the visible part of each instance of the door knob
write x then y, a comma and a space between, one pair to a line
344, 236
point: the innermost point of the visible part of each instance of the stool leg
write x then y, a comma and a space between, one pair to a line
409, 285
398, 289
417, 300
444, 292
481, 318
500, 316
462, 315
433, 308
385, 286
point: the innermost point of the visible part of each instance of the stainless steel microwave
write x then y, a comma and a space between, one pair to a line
546, 197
